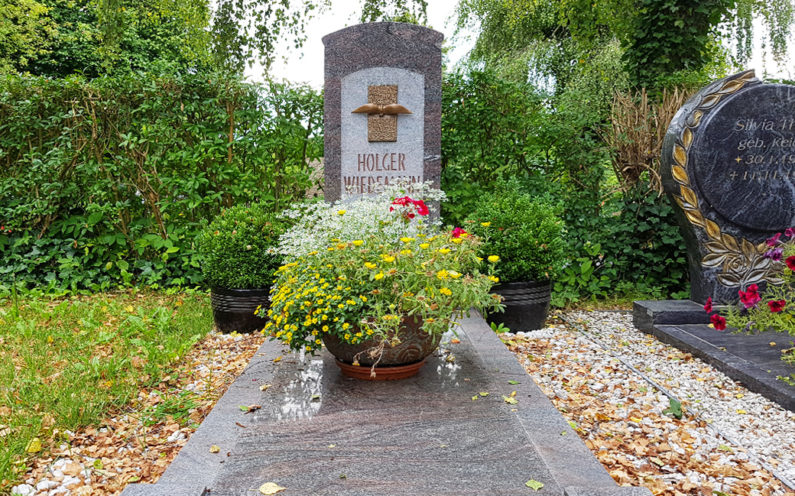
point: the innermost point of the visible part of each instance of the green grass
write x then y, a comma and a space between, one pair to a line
66, 364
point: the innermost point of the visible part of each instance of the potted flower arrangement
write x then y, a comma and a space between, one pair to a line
239, 258
528, 237
376, 283
770, 309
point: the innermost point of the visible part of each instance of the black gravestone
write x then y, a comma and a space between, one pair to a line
728, 163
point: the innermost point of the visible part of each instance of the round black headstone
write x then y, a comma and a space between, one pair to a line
744, 158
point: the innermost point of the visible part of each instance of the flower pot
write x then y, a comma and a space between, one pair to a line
526, 305
233, 309
394, 362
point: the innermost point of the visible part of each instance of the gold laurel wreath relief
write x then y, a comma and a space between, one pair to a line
741, 262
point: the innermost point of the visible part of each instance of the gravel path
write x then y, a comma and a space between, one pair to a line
724, 441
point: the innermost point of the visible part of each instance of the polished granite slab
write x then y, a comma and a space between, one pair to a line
321, 433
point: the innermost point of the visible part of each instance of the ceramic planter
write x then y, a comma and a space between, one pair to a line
526, 305
233, 309
396, 362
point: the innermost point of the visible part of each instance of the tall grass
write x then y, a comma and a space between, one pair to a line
65, 364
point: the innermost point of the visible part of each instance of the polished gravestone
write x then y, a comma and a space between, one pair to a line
728, 166
382, 110
319, 433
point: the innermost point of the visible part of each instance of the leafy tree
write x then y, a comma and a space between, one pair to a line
413, 11
25, 32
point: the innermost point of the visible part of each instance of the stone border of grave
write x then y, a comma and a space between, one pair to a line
748, 359
571, 464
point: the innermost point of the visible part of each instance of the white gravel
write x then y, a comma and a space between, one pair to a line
762, 427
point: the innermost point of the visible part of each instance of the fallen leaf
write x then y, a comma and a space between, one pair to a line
509, 400
450, 358
772, 343
739, 395
657, 461
484, 393
264, 387
723, 447
455, 341
332, 445
215, 449
534, 484
277, 359
741, 411
475, 397
34, 446
513, 382
271, 488
513, 394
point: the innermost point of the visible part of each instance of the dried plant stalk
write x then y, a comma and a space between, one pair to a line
636, 134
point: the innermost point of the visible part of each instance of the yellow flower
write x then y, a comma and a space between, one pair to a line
379, 276
363, 298
458, 241
388, 258
454, 274
317, 341
444, 251
424, 246
370, 265
357, 242
494, 279
345, 325
405, 252
485, 224
308, 348
446, 291
442, 274
341, 212
493, 258
325, 329
406, 239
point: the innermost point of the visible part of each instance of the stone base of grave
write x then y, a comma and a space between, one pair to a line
753, 360
321, 433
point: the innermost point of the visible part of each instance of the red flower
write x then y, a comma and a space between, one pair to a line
750, 298
773, 241
776, 305
457, 232
718, 322
790, 232
422, 209
708, 305
790, 261
406, 201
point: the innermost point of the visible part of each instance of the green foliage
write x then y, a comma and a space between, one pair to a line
65, 364
106, 183
633, 246
490, 130
669, 36
523, 231
25, 31
237, 247
411, 11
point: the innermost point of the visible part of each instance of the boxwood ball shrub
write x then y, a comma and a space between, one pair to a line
525, 232
237, 247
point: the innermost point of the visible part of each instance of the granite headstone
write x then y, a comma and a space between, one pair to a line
382, 107
728, 164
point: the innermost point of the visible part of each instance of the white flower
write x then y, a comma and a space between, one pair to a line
320, 223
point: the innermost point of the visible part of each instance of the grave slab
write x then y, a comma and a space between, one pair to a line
320, 433
649, 313
749, 359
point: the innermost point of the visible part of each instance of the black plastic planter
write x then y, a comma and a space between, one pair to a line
233, 309
526, 305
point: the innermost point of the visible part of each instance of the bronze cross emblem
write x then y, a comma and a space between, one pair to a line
382, 110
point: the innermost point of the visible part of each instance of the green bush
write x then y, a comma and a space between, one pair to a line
106, 183
526, 234
237, 247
